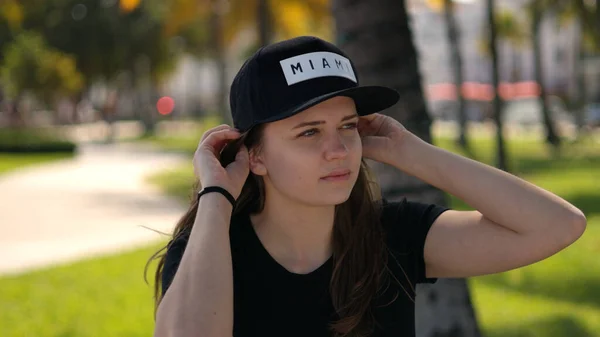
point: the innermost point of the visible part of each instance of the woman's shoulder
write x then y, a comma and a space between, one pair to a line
408, 211
407, 221
406, 224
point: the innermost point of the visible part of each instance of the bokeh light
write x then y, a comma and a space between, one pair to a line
129, 5
165, 105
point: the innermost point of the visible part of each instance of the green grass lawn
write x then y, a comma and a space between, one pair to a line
10, 162
559, 296
93, 298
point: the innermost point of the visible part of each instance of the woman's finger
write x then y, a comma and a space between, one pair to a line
365, 127
370, 117
213, 130
216, 140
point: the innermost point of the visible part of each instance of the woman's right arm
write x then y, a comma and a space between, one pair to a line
199, 301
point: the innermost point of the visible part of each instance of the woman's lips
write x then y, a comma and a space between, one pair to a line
340, 177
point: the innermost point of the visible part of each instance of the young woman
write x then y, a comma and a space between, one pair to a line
286, 237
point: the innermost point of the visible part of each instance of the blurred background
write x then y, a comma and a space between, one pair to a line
103, 102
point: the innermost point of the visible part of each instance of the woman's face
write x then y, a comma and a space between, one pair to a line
300, 151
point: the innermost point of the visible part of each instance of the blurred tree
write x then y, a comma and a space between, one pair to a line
264, 19
226, 20
376, 35
457, 67
270, 19
107, 39
11, 17
456, 64
217, 47
510, 29
588, 13
286, 19
187, 20
506, 27
581, 13
598, 21
535, 12
501, 160
30, 65
110, 37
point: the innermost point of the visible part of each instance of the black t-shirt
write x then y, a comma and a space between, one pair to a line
271, 301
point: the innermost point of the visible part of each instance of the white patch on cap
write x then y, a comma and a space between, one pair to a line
318, 64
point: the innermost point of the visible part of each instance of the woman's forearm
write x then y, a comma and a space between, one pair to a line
199, 301
501, 197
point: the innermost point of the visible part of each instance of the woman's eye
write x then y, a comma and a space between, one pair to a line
308, 133
311, 132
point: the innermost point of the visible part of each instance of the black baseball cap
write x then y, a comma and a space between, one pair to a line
287, 77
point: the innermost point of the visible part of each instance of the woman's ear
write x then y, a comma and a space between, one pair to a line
256, 164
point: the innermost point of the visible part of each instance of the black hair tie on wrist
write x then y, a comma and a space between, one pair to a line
219, 190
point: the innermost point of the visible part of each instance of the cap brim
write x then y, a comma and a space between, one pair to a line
368, 100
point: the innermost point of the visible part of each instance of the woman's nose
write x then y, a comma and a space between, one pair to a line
335, 148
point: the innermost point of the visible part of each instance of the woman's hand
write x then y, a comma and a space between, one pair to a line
208, 168
380, 134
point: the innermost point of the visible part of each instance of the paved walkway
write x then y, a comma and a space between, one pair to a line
97, 203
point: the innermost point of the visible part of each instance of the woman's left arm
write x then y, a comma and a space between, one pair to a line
516, 222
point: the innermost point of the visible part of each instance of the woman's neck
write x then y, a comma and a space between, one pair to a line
298, 236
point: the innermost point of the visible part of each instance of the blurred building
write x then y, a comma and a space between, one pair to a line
559, 43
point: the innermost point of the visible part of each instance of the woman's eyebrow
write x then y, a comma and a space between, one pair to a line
313, 123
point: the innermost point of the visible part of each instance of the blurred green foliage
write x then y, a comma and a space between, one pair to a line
103, 39
30, 64
34, 140
10, 162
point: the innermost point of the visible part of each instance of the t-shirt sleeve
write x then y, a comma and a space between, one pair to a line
174, 254
407, 224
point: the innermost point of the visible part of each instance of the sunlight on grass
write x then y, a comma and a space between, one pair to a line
177, 181
11, 162
100, 297
507, 313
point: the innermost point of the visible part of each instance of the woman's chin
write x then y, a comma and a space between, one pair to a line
335, 198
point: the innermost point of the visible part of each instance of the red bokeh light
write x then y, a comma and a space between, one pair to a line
165, 105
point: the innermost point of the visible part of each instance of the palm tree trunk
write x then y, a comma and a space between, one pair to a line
218, 52
589, 19
581, 84
598, 21
377, 36
501, 158
264, 22
144, 89
457, 68
515, 70
551, 136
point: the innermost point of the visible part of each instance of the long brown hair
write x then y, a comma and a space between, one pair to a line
360, 253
